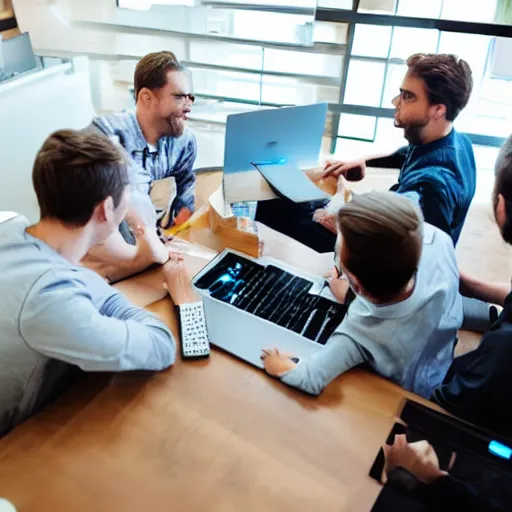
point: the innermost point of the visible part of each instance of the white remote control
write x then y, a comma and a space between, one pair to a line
194, 336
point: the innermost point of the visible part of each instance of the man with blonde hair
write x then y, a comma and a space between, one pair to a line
407, 311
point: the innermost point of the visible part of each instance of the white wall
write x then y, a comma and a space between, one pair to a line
29, 112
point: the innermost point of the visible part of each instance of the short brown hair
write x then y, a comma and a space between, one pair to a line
74, 171
151, 71
447, 78
382, 241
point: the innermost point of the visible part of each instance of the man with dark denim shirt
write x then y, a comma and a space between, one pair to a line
437, 168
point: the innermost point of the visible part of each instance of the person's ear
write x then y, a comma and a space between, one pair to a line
501, 211
104, 211
439, 111
145, 96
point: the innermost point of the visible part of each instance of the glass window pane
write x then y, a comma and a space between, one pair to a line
335, 4
371, 41
243, 86
269, 26
302, 63
395, 75
290, 91
469, 10
364, 83
225, 54
333, 33
357, 127
420, 8
408, 41
377, 6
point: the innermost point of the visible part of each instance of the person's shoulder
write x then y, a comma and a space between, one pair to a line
435, 239
112, 123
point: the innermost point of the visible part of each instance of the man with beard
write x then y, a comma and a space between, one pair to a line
159, 147
437, 168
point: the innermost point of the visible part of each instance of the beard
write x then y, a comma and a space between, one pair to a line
175, 126
413, 131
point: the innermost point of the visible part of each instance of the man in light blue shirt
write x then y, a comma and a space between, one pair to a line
158, 146
54, 314
407, 311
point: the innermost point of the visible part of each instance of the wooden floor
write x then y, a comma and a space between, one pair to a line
216, 435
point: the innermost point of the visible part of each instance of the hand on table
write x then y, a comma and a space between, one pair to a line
353, 171
418, 458
177, 281
276, 363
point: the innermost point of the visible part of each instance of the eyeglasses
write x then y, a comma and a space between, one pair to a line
181, 97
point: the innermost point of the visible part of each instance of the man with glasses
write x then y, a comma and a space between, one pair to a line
437, 167
160, 148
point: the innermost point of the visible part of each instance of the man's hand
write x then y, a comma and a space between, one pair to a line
418, 458
177, 281
276, 363
327, 220
353, 171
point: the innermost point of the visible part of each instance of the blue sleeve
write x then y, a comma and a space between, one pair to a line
394, 161
185, 177
437, 199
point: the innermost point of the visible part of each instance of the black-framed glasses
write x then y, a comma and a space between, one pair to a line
181, 96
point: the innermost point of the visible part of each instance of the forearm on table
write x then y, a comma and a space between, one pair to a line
495, 293
116, 259
314, 373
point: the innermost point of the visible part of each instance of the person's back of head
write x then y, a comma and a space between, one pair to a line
448, 80
502, 194
74, 173
381, 242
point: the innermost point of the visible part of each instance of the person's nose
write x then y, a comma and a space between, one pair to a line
396, 100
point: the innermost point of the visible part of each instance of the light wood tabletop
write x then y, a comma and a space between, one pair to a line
214, 435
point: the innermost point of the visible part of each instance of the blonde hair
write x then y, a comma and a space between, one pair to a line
382, 241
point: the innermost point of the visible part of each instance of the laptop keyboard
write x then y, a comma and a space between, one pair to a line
274, 294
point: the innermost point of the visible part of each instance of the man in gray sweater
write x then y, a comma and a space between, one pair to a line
55, 315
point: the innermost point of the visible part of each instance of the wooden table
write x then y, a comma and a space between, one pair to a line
216, 435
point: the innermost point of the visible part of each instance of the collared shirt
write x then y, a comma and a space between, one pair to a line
55, 316
410, 342
441, 176
172, 157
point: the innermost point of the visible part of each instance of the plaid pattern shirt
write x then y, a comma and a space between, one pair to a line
172, 157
